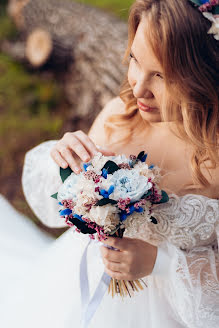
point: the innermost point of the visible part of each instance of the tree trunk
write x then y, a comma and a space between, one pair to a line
82, 45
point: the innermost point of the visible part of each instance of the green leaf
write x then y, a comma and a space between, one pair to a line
196, 2
140, 155
146, 195
64, 173
215, 10
164, 198
111, 167
153, 220
54, 195
105, 201
82, 226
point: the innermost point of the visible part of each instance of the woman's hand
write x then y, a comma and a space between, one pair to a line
74, 146
134, 260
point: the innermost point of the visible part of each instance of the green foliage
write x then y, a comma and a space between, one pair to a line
7, 28
111, 167
55, 195
165, 197
27, 109
118, 7
35, 93
105, 201
65, 173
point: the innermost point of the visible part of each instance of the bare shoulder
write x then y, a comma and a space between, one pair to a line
216, 182
97, 131
213, 177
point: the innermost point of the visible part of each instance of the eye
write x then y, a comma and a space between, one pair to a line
159, 75
131, 56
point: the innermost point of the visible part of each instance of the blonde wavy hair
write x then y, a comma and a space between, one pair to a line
189, 58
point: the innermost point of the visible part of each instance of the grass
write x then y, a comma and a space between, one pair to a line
27, 106
118, 7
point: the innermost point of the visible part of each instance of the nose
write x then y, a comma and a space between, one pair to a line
141, 89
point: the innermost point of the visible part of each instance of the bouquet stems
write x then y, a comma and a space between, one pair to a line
125, 287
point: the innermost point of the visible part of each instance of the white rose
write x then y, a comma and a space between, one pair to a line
104, 215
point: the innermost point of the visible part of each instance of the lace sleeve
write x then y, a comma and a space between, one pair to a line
40, 180
187, 265
193, 285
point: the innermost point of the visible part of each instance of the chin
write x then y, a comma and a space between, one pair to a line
151, 117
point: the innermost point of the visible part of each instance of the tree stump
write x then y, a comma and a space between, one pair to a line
83, 46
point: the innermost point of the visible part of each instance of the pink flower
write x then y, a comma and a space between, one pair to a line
122, 203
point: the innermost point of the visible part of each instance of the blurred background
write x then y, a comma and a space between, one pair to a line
60, 62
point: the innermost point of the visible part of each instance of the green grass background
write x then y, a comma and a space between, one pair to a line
31, 106
119, 8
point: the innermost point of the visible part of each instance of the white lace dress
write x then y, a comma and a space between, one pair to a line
182, 291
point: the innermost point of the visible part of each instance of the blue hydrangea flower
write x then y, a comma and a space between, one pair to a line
70, 188
129, 184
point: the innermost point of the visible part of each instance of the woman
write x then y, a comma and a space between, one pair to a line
168, 107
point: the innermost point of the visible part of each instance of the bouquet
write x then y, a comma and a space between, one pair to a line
109, 196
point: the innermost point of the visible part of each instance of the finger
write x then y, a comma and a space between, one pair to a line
119, 243
56, 156
116, 274
114, 266
68, 156
105, 152
87, 143
111, 255
77, 146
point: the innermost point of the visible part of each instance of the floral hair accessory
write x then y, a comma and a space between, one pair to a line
210, 10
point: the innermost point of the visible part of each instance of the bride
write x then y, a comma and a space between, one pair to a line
168, 106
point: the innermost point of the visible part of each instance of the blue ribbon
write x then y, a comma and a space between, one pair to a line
90, 306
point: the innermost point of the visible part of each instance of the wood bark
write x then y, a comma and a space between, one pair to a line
87, 48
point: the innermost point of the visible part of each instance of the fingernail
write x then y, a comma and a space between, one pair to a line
85, 158
63, 165
77, 169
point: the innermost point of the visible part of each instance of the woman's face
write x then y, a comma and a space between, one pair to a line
145, 76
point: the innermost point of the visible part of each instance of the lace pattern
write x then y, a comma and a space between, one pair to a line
185, 222
41, 179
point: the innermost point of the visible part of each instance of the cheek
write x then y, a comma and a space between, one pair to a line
158, 90
130, 77
132, 74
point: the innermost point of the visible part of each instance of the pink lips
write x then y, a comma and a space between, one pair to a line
145, 108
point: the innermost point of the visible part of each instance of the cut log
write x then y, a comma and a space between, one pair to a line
38, 47
84, 48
